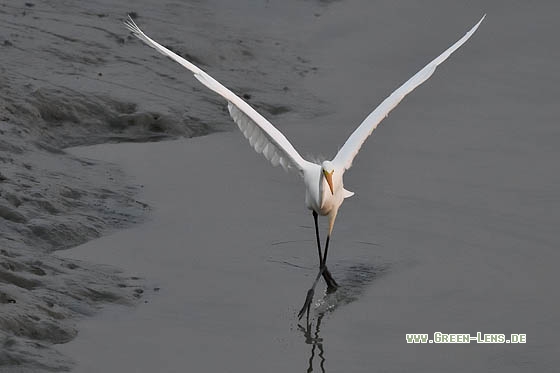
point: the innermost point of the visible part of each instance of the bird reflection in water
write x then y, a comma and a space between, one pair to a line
312, 338
356, 279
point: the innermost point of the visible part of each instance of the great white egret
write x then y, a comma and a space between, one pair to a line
324, 187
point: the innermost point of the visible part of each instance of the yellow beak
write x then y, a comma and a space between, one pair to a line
328, 176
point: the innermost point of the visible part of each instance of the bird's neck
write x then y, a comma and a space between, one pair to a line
324, 191
321, 189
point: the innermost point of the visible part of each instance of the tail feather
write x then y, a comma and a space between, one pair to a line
347, 193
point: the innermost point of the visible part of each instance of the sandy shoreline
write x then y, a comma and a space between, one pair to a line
233, 289
70, 76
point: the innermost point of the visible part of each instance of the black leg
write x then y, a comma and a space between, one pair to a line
315, 216
331, 283
326, 249
323, 271
309, 297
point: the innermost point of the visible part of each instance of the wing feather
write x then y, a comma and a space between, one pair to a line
258, 138
262, 135
346, 154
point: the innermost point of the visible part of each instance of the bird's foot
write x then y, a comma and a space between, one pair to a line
307, 304
331, 289
332, 285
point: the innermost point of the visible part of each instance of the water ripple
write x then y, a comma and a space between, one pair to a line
355, 279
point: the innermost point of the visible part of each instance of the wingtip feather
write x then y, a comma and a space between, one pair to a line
132, 26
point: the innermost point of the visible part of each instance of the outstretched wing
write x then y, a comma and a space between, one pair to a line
346, 154
262, 135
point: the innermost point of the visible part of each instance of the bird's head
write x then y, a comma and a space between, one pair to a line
328, 170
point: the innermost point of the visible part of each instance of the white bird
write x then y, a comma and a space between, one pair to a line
324, 186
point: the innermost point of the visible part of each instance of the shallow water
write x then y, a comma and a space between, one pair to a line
452, 228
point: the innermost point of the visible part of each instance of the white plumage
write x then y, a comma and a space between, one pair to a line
324, 183
346, 154
258, 138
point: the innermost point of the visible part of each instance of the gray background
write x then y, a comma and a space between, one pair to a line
453, 227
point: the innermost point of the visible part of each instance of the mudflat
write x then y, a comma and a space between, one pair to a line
452, 228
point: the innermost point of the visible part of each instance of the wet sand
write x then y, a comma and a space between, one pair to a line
452, 229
